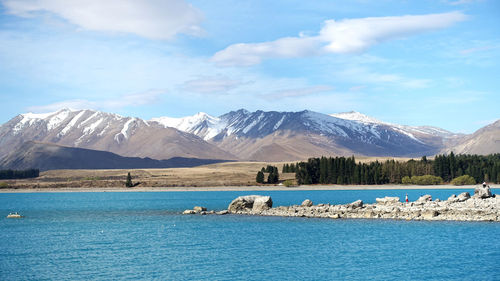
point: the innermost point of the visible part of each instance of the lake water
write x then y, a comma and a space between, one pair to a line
142, 235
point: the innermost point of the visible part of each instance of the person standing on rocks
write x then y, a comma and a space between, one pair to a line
406, 198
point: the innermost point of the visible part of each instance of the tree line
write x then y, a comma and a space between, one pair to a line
342, 170
19, 174
272, 177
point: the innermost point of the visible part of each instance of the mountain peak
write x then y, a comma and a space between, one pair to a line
356, 116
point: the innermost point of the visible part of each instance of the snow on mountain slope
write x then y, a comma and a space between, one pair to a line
419, 133
242, 134
200, 124
230, 130
260, 123
356, 116
127, 136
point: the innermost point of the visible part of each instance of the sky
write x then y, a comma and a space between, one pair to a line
415, 63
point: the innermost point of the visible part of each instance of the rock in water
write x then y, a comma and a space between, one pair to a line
482, 192
199, 209
250, 202
307, 203
387, 200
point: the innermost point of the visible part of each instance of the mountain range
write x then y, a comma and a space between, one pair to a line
241, 135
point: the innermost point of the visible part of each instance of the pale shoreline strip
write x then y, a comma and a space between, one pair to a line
238, 188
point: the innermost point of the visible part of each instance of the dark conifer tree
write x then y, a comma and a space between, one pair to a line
260, 177
129, 183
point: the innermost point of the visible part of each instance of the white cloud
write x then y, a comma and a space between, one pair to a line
135, 99
355, 35
217, 84
155, 19
344, 36
251, 54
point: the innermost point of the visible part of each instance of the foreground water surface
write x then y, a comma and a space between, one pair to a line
142, 235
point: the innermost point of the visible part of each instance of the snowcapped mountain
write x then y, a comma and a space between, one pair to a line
241, 134
200, 124
126, 136
356, 116
409, 130
297, 135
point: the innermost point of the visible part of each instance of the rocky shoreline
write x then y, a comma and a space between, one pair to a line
482, 206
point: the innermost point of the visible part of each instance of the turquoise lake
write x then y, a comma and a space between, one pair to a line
143, 236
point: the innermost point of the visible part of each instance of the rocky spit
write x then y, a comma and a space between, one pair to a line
482, 206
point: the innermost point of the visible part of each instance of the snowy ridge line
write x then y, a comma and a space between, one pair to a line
57, 119
71, 123
124, 130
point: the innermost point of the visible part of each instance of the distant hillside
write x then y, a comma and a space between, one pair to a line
484, 141
50, 157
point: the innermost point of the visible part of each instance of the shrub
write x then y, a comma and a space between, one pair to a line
406, 180
426, 180
3, 185
289, 183
463, 180
422, 180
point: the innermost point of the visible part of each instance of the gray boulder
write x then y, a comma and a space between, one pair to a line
463, 196
429, 214
453, 198
307, 203
387, 200
482, 192
356, 204
199, 209
425, 198
262, 203
250, 202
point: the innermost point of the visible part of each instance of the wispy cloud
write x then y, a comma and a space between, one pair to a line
463, 2
216, 84
478, 49
344, 36
359, 74
71, 104
357, 88
155, 19
135, 99
300, 92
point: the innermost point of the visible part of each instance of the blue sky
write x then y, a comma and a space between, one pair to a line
408, 62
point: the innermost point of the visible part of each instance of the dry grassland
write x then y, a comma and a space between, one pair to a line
221, 174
